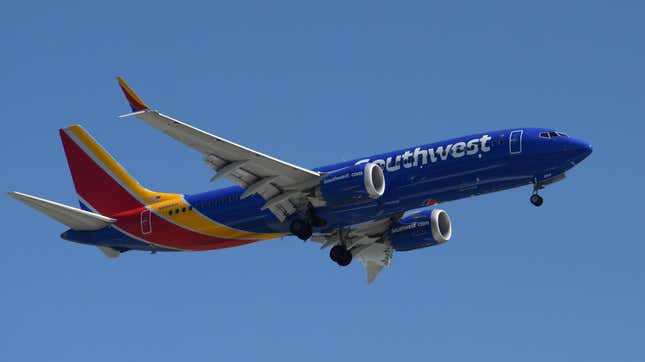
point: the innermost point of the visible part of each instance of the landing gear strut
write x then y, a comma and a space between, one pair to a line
314, 220
536, 199
340, 255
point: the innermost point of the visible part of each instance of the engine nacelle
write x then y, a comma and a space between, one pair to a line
420, 230
358, 183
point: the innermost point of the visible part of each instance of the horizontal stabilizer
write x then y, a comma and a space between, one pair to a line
76, 219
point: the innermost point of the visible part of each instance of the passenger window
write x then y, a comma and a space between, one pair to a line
190, 208
183, 209
170, 212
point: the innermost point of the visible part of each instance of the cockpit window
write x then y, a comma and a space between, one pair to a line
552, 134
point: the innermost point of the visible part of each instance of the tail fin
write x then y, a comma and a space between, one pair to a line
101, 183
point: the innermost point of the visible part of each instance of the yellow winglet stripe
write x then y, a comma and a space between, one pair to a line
135, 102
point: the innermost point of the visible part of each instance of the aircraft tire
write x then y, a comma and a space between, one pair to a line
537, 200
340, 255
301, 228
346, 260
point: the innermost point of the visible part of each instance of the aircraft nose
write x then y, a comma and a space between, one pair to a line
581, 148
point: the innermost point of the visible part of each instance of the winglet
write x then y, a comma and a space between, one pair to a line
135, 102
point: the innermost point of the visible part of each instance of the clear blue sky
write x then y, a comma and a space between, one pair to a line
313, 84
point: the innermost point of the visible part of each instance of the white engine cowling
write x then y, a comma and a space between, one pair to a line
420, 230
358, 183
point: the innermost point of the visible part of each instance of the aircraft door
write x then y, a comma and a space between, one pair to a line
146, 222
515, 142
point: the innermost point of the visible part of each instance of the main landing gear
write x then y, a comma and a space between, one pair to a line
340, 255
301, 228
536, 199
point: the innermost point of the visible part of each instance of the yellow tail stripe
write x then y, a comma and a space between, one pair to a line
190, 220
195, 221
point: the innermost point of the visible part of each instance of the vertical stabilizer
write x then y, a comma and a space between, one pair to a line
101, 183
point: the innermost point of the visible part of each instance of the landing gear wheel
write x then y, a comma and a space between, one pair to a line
340, 255
347, 260
301, 228
537, 200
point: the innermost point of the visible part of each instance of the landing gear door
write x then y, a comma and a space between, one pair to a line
515, 142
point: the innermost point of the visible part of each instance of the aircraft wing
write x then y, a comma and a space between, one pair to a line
367, 241
284, 186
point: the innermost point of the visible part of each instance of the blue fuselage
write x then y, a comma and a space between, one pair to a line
421, 176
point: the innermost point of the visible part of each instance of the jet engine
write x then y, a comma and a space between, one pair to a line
358, 183
420, 230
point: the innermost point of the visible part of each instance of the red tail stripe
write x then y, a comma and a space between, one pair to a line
109, 198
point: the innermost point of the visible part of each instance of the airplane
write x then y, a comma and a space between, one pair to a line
363, 209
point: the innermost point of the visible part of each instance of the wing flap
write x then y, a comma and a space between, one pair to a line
74, 218
373, 269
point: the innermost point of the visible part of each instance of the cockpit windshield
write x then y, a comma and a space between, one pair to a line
552, 134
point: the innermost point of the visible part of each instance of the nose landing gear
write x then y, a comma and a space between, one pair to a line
536, 199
